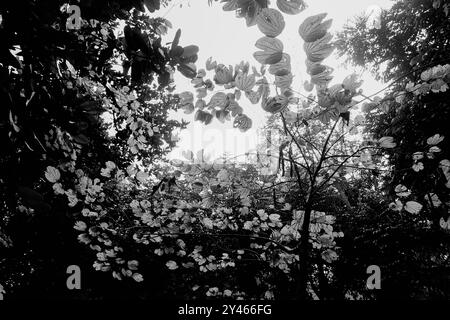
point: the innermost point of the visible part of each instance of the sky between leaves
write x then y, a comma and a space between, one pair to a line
228, 40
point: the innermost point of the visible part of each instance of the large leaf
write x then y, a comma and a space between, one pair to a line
176, 52
152, 5
291, 6
325, 117
323, 77
270, 22
245, 82
189, 51
253, 96
284, 81
188, 70
270, 45
272, 50
320, 49
230, 5
275, 104
242, 122
235, 108
313, 28
281, 67
267, 58
219, 100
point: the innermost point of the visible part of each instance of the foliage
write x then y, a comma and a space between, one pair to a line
411, 53
71, 103
86, 132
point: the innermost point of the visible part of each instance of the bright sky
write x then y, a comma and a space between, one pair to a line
228, 40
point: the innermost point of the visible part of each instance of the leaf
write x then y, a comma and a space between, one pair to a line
284, 81
434, 140
242, 122
235, 108
207, 119
176, 39
267, 58
445, 224
222, 115
325, 117
401, 191
308, 86
245, 82
210, 65
188, 108
189, 51
282, 66
313, 28
253, 96
329, 256
275, 104
188, 70
176, 52
142, 176
171, 265
270, 45
207, 222
270, 22
219, 100
413, 207
322, 78
314, 68
272, 50
387, 142
320, 49
186, 97
152, 5
291, 7
274, 217
230, 5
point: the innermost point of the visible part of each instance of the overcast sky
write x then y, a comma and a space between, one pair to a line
228, 40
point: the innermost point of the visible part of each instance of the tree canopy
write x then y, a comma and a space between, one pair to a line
344, 181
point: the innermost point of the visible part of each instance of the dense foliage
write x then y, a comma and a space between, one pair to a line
408, 48
85, 180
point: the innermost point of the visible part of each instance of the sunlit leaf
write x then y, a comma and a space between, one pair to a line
284, 81
413, 207
320, 49
245, 82
281, 67
267, 58
270, 22
291, 6
242, 122
313, 28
